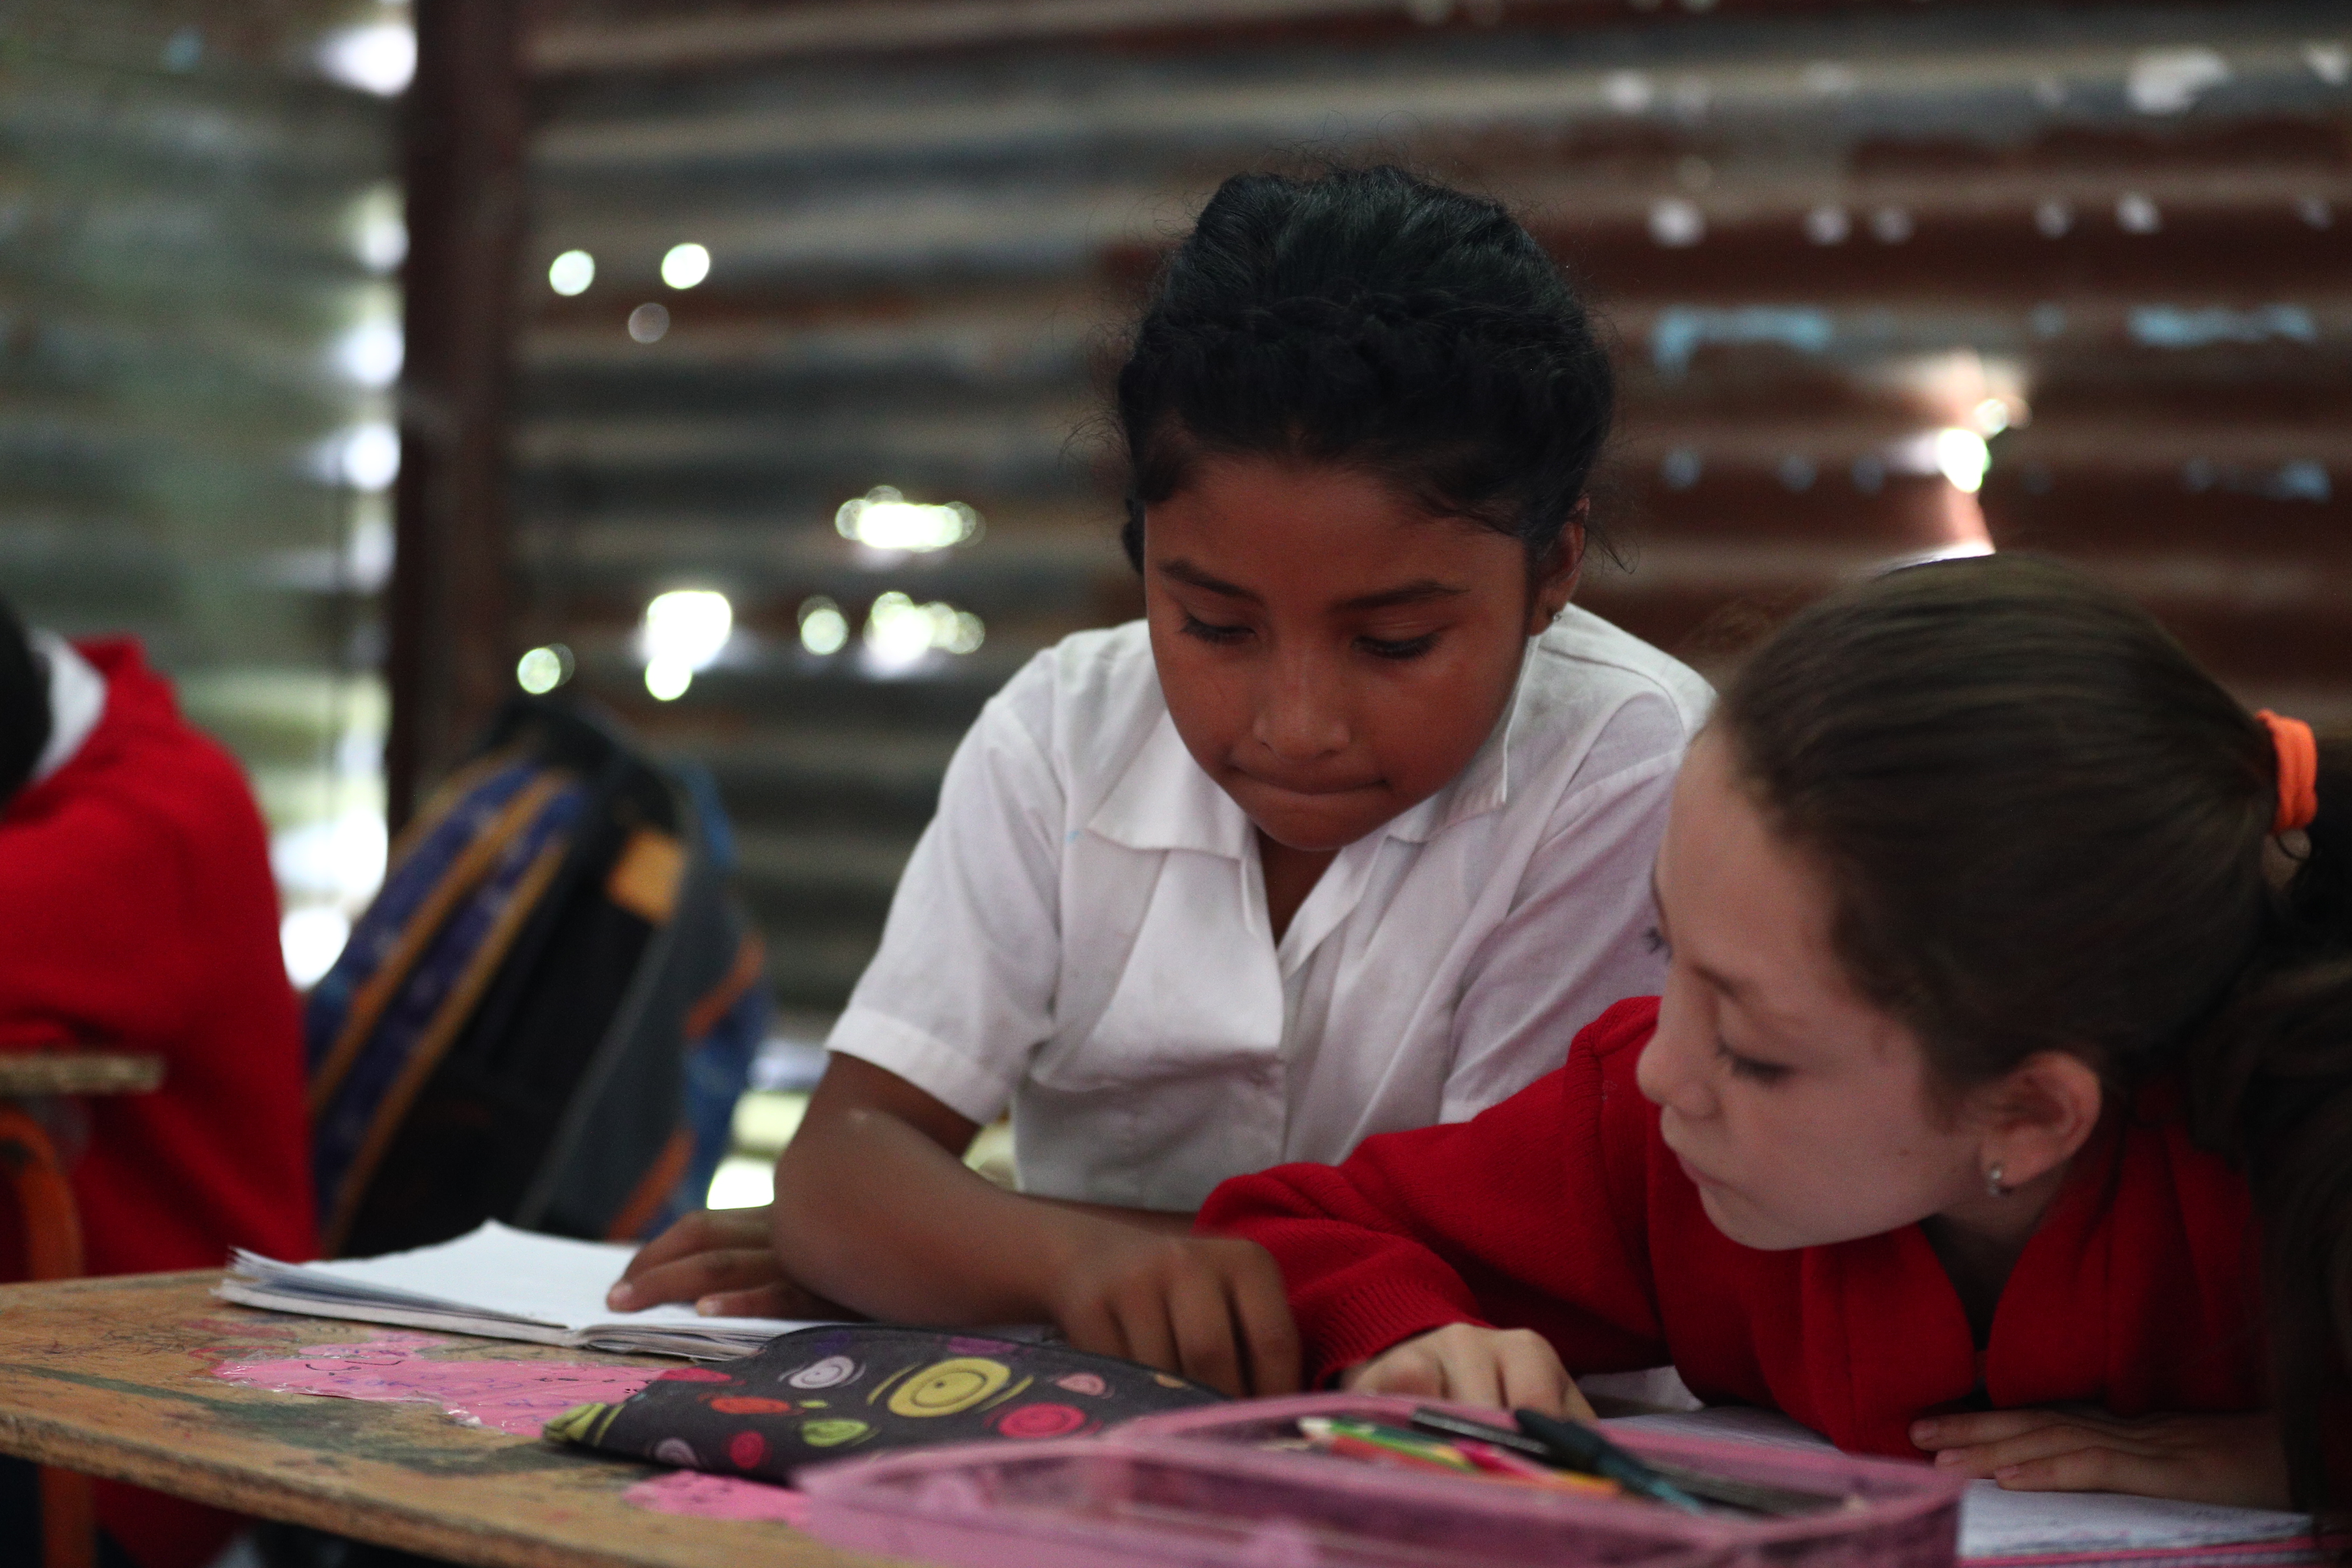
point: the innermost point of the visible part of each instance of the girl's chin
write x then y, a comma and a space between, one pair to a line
1742, 1225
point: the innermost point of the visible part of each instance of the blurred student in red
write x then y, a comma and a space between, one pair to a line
137, 913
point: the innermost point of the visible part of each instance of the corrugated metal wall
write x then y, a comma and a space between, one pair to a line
199, 331
1853, 252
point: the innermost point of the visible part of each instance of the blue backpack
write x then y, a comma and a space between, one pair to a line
547, 1014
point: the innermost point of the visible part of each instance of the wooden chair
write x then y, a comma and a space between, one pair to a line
52, 1231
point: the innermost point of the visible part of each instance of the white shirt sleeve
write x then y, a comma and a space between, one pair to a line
1579, 936
961, 991
77, 702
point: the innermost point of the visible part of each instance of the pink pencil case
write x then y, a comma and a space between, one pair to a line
1194, 1488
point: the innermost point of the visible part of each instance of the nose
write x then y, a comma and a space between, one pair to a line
1672, 1069
1300, 712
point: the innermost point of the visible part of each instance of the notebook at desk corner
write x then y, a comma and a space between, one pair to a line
2047, 1530
500, 1283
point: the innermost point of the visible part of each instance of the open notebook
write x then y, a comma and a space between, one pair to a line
2084, 1528
500, 1283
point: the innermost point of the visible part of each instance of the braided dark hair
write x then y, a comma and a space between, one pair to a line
1371, 319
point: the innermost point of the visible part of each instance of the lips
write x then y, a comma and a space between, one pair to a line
1308, 788
1698, 1178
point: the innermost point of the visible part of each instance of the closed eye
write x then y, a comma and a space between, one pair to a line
1749, 1068
1408, 647
1209, 632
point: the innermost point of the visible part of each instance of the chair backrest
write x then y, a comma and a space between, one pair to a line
505, 1035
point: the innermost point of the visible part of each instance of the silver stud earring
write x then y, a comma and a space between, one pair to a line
1992, 1181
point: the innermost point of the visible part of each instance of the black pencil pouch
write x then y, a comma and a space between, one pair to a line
854, 1388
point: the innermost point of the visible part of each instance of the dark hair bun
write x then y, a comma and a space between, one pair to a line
23, 704
1371, 318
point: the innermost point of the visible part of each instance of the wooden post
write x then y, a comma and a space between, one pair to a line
452, 609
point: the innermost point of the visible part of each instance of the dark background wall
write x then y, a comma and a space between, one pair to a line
2111, 240
200, 238
1839, 243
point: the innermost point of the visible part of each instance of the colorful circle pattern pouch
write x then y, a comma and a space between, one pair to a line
857, 1388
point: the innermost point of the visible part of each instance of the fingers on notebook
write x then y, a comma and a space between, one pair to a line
777, 1299
648, 1282
2230, 1459
696, 1276
707, 1230
1208, 1309
1509, 1368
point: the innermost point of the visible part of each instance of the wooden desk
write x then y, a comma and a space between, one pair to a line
114, 1377
28, 1073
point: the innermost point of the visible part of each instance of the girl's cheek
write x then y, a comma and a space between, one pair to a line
1777, 1195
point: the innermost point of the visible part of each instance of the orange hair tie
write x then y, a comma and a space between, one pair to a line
2298, 772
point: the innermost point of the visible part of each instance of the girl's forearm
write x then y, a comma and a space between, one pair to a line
1164, 1222
875, 1214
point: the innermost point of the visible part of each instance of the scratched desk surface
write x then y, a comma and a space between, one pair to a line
119, 1377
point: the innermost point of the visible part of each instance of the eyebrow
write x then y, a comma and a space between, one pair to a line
1415, 593
1185, 572
1428, 588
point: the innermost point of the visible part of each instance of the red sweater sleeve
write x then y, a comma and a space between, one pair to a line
1529, 1215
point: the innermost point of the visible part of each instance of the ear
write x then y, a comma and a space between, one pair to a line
2035, 1120
1557, 575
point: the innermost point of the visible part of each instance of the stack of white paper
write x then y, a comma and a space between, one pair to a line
500, 1283
1998, 1526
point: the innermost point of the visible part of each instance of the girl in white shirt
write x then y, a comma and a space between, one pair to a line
1350, 834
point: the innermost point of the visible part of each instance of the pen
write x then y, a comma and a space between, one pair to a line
1446, 1423
1756, 1497
1581, 1447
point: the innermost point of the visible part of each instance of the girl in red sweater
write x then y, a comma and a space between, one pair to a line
1999, 1103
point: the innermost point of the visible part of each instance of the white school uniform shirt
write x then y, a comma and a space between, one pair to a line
77, 702
1082, 934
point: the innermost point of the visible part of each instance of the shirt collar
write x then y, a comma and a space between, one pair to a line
1166, 801
77, 701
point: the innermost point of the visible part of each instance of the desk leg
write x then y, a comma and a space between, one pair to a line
52, 1251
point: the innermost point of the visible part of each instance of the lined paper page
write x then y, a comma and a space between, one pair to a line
1997, 1523
496, 1270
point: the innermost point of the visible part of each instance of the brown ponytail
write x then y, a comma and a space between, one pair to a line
2271, 1082
2048, 828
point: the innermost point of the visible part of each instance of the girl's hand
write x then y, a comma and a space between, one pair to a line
1511, 1368
1212, 1308
723, 1262
2233, 1459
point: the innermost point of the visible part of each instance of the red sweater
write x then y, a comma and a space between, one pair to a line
137, 913
1561, 1210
